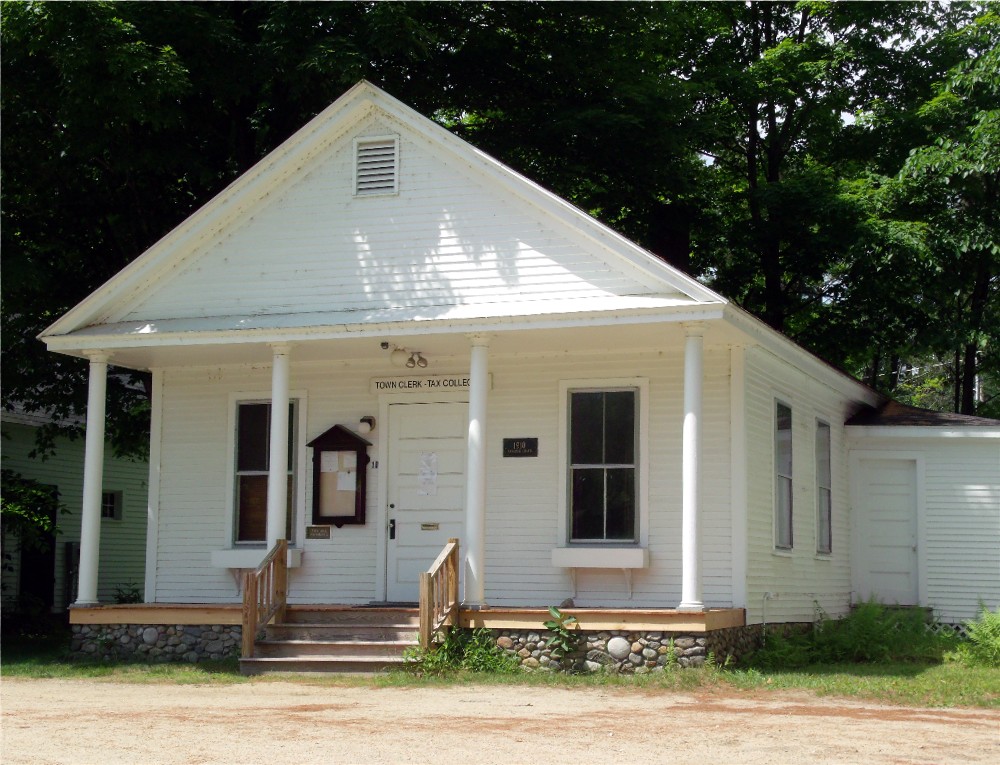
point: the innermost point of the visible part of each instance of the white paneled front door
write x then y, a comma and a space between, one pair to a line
426, 489
887, 514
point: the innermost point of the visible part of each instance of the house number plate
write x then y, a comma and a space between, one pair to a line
520, 447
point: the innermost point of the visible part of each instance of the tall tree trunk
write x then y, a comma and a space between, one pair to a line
977, 309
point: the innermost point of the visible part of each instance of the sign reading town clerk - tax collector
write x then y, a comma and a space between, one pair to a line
422, 384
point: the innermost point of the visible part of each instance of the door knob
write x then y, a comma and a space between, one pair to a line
392, 528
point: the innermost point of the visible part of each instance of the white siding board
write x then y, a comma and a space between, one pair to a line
804, 581
447, 238
959, 564
522, 523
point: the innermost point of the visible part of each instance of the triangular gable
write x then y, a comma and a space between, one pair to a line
463, 233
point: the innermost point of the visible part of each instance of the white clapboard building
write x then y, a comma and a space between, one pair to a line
380, 338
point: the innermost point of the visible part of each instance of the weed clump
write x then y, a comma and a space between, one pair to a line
982, 646
468, 650
871, 633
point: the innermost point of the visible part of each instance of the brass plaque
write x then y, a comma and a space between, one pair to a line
317, 532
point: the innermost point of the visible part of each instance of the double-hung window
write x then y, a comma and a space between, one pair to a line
603, 468
111, 505
824, 483
782, 476
253, 439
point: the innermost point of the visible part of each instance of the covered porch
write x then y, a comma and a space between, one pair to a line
686, 332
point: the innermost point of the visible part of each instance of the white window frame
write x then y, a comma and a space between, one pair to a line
778, 478
299, 494
821, 488
641, 387
117, 504
367, 139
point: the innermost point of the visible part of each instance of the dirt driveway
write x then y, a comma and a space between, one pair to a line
82, 721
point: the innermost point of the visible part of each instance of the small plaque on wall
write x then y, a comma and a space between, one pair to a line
317, 532
520, 447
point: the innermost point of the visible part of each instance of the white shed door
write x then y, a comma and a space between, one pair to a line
426, 491
887, 514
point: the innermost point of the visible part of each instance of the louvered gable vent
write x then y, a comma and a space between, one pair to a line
376, 168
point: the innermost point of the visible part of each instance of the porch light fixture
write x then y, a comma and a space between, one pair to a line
366, 425
416, 360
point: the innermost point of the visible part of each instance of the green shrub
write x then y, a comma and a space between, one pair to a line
871, 633
128, 593
781, 651
469, 650
982, 646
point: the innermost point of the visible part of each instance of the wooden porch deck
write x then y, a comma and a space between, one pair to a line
598, 619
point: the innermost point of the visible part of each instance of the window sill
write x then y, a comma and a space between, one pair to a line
250, 557
624, 558
600, 557
782, 552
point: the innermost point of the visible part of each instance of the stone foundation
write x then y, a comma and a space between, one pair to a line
630, 652
155, 642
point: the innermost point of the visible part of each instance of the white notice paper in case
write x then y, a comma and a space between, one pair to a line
347, 481
428, 475
329, 462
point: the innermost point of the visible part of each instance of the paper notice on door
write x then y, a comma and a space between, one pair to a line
427, 477
347, 481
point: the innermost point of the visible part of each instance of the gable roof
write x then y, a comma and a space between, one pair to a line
181, 285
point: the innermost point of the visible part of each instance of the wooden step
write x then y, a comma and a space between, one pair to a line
335, 639
331, 664
352, 616
332, 632
353, 649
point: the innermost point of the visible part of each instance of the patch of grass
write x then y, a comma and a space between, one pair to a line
43, 653
908, 684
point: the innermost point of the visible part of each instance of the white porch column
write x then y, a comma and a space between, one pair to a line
691, 470
277, 475
93, 476
475, 496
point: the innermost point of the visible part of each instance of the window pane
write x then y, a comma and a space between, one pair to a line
783, 441
783, 521
621, 504
588, 504
586, 428
823, 455
252, 437
252, 508
824, 539
619, 428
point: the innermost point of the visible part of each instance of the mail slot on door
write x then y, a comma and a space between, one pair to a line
430, 526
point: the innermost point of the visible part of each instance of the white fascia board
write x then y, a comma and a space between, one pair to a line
859, 433
96, 339
791, 352
236, 200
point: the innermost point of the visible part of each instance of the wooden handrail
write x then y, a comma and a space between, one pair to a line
439, 594
265, 594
